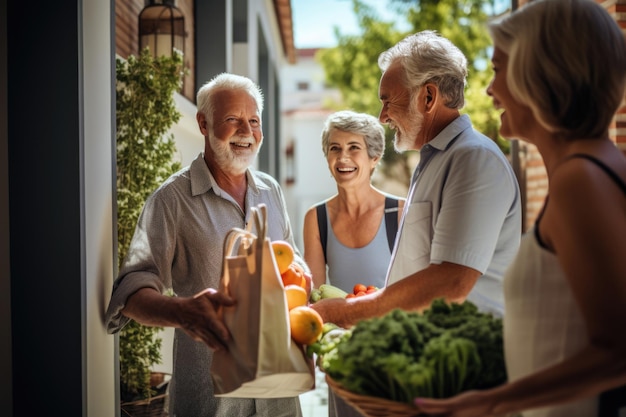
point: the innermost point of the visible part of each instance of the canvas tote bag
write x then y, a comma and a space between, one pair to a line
262, 361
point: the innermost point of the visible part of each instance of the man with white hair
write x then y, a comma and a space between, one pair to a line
178, 245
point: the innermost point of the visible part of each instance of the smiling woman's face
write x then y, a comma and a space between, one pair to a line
347, 157
516, 118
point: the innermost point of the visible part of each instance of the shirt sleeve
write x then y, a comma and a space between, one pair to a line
146, 265
477, 196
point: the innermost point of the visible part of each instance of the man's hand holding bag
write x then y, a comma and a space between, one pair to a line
262, 361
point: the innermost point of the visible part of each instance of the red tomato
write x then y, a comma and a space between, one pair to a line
360, 293
359, 287
371, 287
350, 296
370, 290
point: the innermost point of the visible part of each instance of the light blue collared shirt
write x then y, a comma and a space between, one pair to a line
463, 207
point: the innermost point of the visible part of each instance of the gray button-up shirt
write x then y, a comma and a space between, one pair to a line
178, 244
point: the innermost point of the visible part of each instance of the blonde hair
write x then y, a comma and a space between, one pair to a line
567, 62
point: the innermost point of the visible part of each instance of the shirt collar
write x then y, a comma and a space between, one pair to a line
202, 180
445, 138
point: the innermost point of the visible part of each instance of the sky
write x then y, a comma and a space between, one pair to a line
314, 20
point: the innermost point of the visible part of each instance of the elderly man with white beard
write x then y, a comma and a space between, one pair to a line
178, 246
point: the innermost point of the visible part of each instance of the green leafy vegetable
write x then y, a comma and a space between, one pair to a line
448, 349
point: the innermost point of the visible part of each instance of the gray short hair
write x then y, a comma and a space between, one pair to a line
428, 57
567, 62
358, 123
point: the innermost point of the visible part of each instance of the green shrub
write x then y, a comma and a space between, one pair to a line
145, 111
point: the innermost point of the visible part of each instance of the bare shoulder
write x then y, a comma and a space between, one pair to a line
582, 177
310, 217
583, 203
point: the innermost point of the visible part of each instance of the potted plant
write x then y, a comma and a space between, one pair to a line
145, 111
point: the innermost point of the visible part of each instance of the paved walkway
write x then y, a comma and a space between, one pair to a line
315, 403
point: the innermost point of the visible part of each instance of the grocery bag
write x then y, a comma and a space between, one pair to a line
262, 361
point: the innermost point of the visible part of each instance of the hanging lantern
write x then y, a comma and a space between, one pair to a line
161, 28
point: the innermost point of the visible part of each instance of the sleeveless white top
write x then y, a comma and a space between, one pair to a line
543, 324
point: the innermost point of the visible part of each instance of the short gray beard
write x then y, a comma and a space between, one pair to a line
404, 140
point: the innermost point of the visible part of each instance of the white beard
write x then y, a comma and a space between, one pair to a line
235, 161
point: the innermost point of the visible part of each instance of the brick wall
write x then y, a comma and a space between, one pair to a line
617, 9
536, 184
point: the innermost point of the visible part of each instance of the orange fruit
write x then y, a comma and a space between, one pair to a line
296, 296
283, 253
294, 275
306, 325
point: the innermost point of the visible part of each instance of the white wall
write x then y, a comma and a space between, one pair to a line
313, 182
189, 139
99, 144
304, 113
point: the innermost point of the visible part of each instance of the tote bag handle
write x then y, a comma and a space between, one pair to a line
246, 239
259, 220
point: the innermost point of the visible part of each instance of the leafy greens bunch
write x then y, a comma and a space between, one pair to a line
447, 349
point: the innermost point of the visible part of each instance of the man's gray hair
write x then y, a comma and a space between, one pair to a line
428, 57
